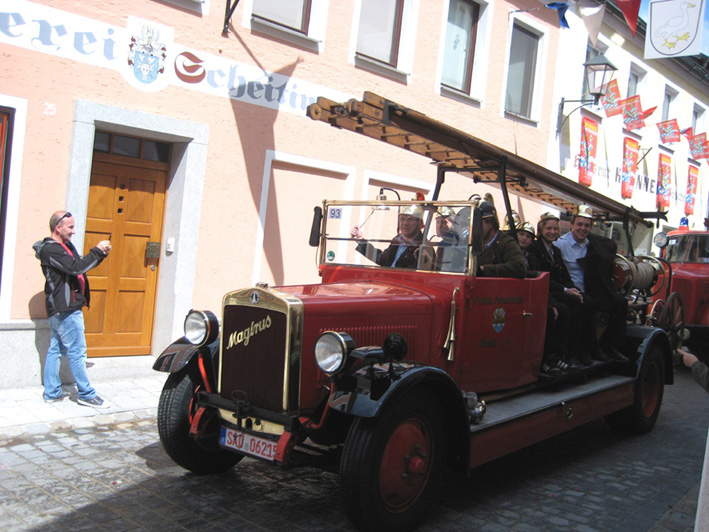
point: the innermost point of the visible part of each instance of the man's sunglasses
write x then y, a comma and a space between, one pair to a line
66, 215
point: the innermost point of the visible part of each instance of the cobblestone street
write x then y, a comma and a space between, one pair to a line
116, 477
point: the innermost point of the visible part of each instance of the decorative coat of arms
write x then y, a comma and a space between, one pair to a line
674, 25
147, 55
498, 320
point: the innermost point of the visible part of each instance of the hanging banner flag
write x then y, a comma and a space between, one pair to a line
669, 131
561, 8
632, 113
611, 99
631, 149
630, 10
592, 15
699, 147
688, 133
675, 28
692, 178
587, 158
664, 176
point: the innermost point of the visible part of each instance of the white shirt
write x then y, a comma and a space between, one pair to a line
572, 251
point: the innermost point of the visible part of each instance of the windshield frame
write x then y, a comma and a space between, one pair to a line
430, 208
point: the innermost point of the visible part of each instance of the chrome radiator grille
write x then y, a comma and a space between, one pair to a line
260, 356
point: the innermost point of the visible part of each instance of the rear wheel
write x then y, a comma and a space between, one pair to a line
177, 406
640, 417
391, 465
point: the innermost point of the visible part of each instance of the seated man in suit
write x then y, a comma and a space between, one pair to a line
403, 251
589, 260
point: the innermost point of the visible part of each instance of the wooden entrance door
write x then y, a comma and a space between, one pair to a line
126, 200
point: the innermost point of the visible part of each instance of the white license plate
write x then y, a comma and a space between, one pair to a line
248, 443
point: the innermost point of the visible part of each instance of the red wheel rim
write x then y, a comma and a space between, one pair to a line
406, 465
650, 387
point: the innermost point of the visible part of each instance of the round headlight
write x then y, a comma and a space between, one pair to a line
331, 350
201, 327
660, 239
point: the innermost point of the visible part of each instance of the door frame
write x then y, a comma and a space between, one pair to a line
182, 208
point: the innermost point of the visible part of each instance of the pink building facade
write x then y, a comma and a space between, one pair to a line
190, 145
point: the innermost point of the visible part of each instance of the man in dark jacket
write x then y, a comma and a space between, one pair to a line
67, 292
502, 256
544, 256
590, 261
403, 252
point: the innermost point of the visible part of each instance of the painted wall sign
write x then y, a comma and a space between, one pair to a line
145, 54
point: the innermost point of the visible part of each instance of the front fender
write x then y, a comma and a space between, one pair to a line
643, 338
361, 403
178, 355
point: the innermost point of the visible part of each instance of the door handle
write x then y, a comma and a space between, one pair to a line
526, 314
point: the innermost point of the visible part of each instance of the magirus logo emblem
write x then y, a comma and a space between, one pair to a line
255, 298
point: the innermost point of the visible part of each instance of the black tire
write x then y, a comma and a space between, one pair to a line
640, 417
175, 411
391, 465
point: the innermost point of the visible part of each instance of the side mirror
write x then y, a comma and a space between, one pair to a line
315, 228
660, 240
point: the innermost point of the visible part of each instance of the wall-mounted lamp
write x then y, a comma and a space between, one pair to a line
598, 72
382, 197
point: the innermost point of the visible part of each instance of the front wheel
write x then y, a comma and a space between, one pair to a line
391, 465
178, 403
640, 417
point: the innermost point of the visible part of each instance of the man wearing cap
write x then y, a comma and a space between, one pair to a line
589, 261
451, 251
502, 256
403, 252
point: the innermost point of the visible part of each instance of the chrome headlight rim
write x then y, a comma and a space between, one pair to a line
201, 327
331, 351
660, 239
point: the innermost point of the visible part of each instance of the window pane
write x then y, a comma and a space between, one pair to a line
633, 84
459, 45
156, 151
127, 146
520, 79
666, 106
378, 28
102, 142
591, 53
289, 13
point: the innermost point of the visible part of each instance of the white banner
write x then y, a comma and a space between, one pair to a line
675, 28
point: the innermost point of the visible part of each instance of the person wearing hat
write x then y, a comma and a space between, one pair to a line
557, 330
525, 236
403, 252
589, 260
502, 256
451, 252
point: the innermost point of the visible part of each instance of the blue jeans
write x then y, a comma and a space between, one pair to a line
67, 340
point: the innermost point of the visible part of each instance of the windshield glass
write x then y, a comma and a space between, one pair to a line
432, 236
688, 248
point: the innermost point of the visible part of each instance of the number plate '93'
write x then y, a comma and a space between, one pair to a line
248, 444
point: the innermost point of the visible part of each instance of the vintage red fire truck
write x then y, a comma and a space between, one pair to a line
398, 375
687, 255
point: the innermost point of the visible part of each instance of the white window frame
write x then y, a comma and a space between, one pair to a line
313, 39
673, 94
403, 70
478, 79
698, 118
539, 71
641, 74
198, 6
